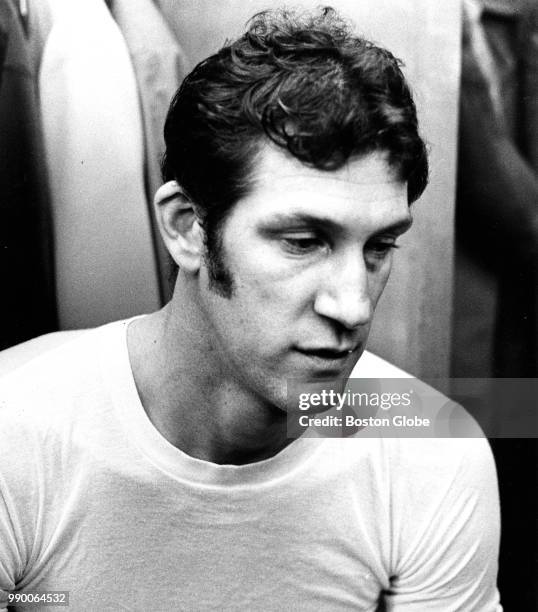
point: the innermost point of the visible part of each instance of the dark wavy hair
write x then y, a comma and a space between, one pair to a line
305, 82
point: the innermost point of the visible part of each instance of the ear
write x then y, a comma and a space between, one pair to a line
179, 226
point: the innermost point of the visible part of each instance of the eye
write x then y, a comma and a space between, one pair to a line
377, 250
302, 243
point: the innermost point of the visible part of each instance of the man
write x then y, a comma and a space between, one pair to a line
148, 464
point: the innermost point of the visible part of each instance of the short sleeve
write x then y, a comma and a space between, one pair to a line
446, 540
20, 462
10, 535
9, 555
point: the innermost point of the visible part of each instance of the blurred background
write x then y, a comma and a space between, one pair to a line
84, 89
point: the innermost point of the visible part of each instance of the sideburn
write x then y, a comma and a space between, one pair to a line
220, 278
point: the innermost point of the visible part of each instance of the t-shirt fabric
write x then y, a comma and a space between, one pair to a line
94, 501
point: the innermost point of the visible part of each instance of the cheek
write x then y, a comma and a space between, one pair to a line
378, 281
268, 303
265, 264
277, 287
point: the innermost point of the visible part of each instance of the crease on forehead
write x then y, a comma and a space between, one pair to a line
287, 187
281, 172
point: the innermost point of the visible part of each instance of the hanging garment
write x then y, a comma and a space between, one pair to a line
160, 66
28, 303
38, 26
3, 47
497, 214
105, 263
173, 12
529, 77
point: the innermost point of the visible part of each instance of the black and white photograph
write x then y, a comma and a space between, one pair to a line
269, 305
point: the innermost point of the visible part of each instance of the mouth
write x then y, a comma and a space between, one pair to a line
329, 358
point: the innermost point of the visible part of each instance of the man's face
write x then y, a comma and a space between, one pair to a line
309, 253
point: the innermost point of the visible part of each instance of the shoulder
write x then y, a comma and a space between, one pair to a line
426, 471
413, 399
57, 415
50, 381
21, 354
40, 371
450, 454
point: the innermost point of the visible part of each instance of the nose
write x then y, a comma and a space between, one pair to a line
344, 294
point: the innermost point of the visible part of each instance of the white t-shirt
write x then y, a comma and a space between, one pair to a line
94, 501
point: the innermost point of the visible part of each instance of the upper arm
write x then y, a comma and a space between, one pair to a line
18, 464
447, 551
9, 555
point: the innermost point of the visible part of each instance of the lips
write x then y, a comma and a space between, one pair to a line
327, 353
329, 357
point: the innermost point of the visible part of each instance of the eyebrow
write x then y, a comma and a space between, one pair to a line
275, 223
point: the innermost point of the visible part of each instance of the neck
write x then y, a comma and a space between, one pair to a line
191, 400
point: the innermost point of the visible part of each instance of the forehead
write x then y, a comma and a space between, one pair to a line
364, 191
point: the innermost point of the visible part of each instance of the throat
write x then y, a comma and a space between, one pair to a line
229, 432
238, 455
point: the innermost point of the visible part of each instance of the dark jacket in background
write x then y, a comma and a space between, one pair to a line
27, 302
497, 200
